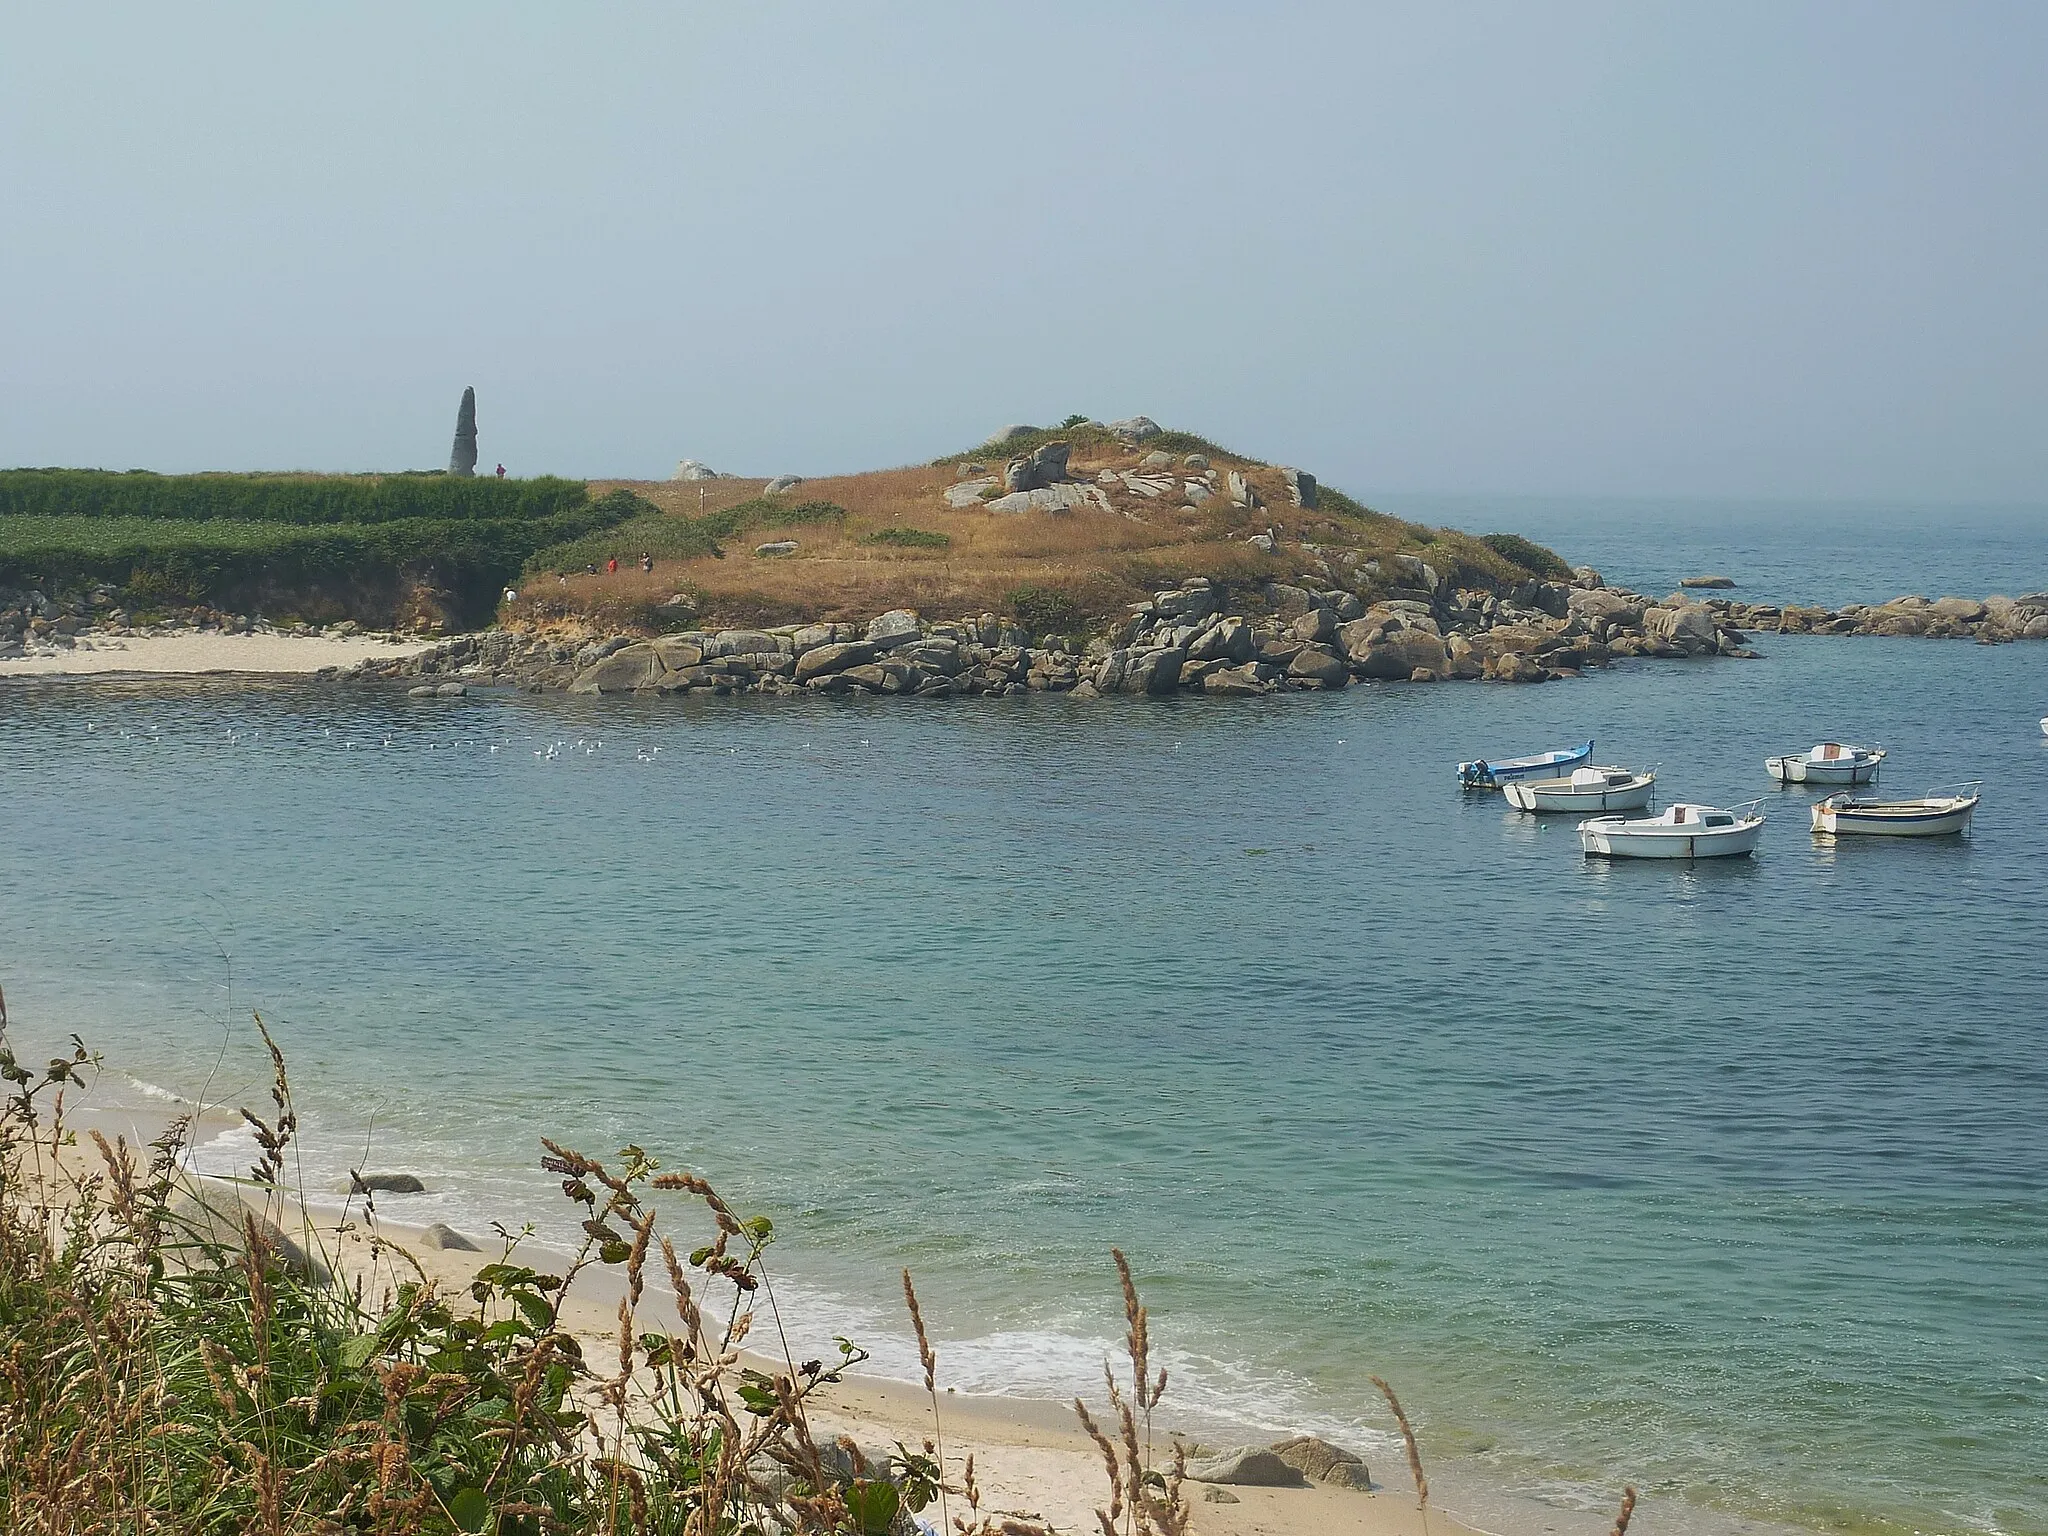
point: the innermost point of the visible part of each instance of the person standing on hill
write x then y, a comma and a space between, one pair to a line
611, 566
501, 471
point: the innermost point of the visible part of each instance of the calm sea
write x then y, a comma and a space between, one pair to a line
1731, 1181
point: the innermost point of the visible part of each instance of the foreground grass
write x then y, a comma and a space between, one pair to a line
166, 1369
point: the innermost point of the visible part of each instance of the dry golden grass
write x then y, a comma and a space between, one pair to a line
1098, 561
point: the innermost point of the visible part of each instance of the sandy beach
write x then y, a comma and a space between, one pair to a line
1031, 1459
199, 654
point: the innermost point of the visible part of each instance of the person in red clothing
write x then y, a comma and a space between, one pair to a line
612, 566
501, 471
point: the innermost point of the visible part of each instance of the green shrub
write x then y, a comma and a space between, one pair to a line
273, 498
1530, 556
908, 538
1046, 610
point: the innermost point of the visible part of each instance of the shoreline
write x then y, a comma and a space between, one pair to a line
1205, 637
1031, 1458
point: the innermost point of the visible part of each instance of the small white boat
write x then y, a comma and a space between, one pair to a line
1588, 789
1682, 832
2044, 725
1828, 763
1480, 774
1929, 816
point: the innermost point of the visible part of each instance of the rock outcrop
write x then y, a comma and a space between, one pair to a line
690, 469
1044, 466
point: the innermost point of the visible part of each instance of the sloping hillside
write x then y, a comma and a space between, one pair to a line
1125, 518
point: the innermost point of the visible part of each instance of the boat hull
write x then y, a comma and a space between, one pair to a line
1617, 842
1796, 770
1532, 795
1902, 820
1481, 774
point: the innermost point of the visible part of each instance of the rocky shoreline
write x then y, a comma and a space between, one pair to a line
1202, 636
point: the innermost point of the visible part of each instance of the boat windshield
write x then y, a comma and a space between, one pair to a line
1719, 821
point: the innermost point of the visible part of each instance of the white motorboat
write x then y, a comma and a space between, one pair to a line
1932, 815
1830, 762
1681, 832
1587, 789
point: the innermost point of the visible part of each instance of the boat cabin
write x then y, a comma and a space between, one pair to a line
1694, 816
1599, 778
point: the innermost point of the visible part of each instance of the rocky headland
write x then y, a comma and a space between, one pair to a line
1204, 636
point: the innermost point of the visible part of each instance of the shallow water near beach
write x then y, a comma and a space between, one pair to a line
1730, 1180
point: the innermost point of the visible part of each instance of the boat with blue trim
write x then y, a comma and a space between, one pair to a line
1482, 774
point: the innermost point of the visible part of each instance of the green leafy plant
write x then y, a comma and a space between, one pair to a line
908, 538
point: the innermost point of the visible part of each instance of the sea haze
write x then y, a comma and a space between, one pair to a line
1725, 1180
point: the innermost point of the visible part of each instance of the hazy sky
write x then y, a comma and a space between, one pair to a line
1711, 249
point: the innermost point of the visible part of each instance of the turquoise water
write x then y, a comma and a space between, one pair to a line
1731, 1181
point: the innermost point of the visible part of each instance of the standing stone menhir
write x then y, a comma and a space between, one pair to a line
462, 461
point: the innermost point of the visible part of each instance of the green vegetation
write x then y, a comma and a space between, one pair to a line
1086, 438
292, 499
253, 540
667, 536
1047, 611
194, 1356
1530, 556
908, 538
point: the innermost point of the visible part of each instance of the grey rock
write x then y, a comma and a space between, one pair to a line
897, 627
214, 1216
444, 1237
1418, 571
462, 457
626, 670
1241, 490
1194, 461
1301, 486
1691, 628
1597, 603
450, 691
1196, 491
1046, 465
1109, 676
386, 1184
1315, 626
1156, 460
968, 492
775, 547
739, 642
1320, 665
1262, 542
1324, 1462
1586, 577
675, 653
1155, 671
1213, 1494
782, 483
824, 660
1008, 434
1249, 1466
422, 691
1395, 657
1135, 429
690, 469
1965, 609
1708, 581
811, 636
1234, 682
1050, 498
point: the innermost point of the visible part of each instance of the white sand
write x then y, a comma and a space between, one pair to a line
191, 655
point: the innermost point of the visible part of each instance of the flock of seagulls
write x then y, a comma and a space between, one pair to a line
547, 752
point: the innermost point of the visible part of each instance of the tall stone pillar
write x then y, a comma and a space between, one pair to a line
462, 461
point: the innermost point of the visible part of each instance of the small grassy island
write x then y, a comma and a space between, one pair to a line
1090, 558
